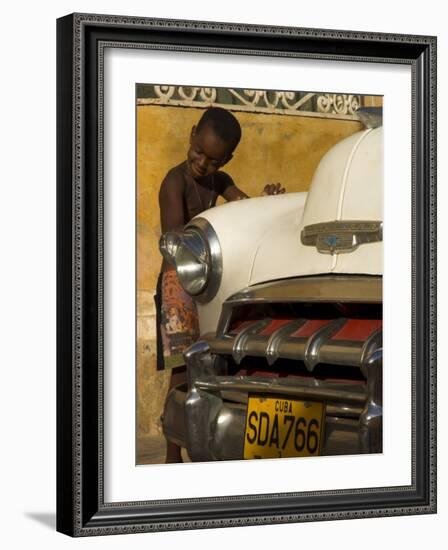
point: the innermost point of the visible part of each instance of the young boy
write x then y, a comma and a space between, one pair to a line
187, 190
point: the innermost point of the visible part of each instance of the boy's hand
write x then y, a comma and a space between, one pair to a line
273, 189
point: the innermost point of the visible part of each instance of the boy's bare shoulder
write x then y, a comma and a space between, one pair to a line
223, 176
174, 177
176, 171
224, 181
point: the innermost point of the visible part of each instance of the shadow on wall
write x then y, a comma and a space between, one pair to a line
48, 519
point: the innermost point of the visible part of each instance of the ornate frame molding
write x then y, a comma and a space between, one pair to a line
81, 507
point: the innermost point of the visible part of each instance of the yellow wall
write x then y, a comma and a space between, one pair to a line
372, 101
273, 148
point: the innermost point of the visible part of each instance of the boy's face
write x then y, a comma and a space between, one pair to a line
207, 152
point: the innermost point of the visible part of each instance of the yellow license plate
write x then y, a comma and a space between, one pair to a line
279, 427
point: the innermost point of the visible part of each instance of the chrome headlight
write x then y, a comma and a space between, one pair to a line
196, 254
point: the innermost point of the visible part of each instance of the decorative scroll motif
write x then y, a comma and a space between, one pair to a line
338, 103
263, 98
186, 93
265, 101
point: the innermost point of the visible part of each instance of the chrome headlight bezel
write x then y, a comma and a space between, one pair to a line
196, 254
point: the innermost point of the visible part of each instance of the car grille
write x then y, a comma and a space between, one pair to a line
311, 351
307, 345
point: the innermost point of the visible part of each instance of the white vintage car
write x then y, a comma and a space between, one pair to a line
289, 294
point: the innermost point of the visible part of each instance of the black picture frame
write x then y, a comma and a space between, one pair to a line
81, 510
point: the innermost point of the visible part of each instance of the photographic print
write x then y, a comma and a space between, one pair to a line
259, 273
225, 282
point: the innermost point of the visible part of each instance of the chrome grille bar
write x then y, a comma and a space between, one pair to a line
240, 341
351, 394
317, 340
277, 337
334, 409
282, 343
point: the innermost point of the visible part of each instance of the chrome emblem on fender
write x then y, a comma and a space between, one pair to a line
341, 236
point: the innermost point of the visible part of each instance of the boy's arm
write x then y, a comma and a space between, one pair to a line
228, 189
171, 204
232, 193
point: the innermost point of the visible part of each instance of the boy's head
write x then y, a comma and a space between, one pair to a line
212, 141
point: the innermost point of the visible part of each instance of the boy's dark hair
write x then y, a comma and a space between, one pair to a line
223, 123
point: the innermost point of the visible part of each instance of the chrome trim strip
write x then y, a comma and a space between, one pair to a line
343, 352
293, 348
319, 348
215, 257
169, 243
240, 340
255, 346
371, 419
325, 288
173, 425
317, 340
210, 258
200, 408
374, 342
333, 409
322, 391
224, 319
343, 411
341, 236
277, 337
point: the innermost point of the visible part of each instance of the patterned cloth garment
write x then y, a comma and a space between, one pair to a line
177, 321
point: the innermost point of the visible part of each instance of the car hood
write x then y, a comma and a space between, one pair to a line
347, 186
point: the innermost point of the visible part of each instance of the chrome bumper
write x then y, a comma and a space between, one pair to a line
209, 418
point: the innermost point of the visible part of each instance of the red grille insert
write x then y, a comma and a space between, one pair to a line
240, 326
358, 330
274, 325
310, 327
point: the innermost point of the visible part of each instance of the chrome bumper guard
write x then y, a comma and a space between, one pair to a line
209, 419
